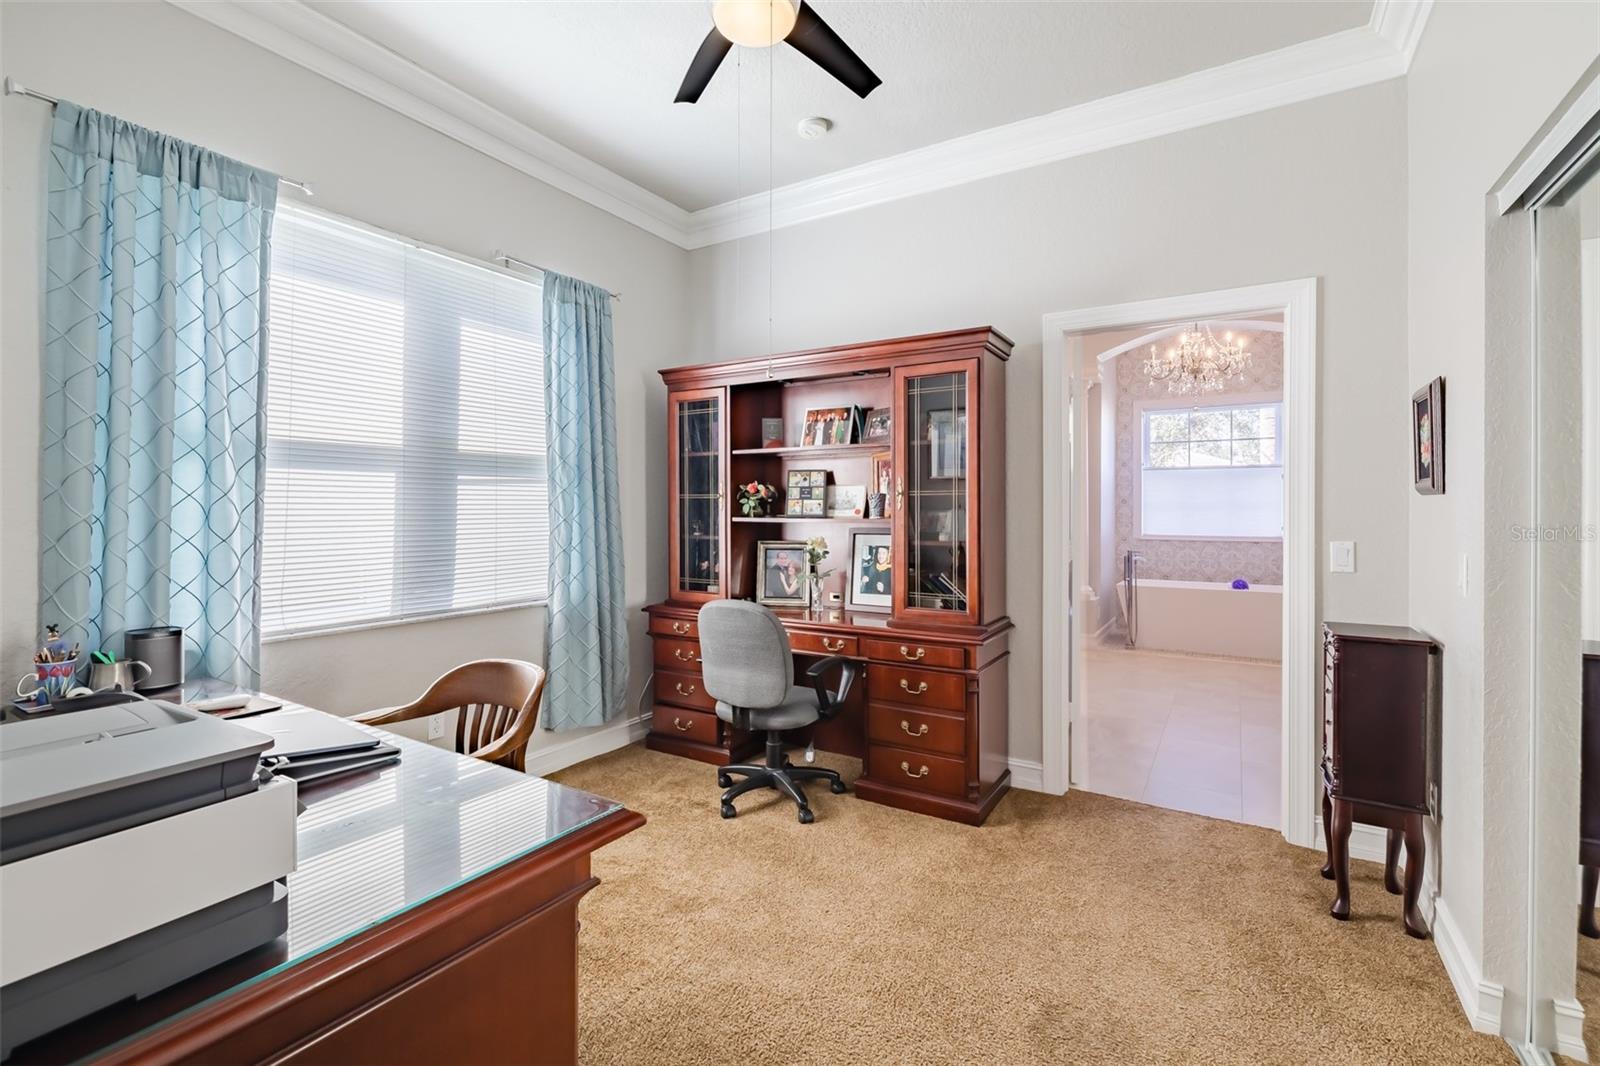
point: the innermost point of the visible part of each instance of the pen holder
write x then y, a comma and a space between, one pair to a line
51, 680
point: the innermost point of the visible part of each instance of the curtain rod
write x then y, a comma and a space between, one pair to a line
14, 87
511, 260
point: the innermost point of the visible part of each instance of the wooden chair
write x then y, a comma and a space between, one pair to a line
497, 705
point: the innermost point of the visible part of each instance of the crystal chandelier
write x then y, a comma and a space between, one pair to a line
1199, 362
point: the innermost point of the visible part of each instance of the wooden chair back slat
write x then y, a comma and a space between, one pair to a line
496, 703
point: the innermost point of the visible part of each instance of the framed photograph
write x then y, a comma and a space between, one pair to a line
828, 425
846, 501
782, 574
806, 487
871, 583
816, 507
772, 432
879, 421
1427, 438
883, 483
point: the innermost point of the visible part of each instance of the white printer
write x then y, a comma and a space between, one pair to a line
139, 845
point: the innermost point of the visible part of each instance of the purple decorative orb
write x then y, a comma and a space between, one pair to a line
1240, 583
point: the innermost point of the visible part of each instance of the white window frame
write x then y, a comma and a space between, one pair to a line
283, 456
1142, 407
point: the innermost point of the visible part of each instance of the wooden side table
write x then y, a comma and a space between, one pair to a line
1379, 758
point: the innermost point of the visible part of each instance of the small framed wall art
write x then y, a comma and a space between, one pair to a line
1427, 438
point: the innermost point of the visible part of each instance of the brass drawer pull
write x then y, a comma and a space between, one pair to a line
906, 652
681, 628
922, 686
683, 656
906, 768
905, 727
679, 725
829, 645
679, 686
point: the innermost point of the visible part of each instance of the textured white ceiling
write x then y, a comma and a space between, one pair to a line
599, 76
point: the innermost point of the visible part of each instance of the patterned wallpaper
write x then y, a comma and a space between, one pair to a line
1257, 561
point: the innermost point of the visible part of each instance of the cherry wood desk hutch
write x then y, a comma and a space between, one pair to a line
930, 721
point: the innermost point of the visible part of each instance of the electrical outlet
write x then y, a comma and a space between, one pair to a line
1341, 556
436, 727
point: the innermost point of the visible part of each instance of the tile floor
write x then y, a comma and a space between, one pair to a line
1185, 732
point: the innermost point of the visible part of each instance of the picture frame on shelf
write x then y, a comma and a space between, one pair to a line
846, 501
827, 426
783, 573
947, 444
880, 422
1427, 438
882, 483
804, 489
871, 582
772, 432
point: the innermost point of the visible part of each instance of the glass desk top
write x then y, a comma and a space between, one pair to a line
370, 846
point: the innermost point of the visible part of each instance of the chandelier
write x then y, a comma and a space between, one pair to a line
1199, 362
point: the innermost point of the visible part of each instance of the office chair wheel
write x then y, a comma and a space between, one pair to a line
727, 810
724, 781
806, 817
837, 788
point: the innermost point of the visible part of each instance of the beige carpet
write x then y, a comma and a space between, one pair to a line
1080, 929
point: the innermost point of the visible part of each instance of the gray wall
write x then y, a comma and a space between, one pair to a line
1484, 79
1314, 189
157, 66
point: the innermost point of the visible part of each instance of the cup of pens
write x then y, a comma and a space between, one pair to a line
52, 680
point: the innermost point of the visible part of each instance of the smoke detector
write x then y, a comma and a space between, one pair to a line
814, 127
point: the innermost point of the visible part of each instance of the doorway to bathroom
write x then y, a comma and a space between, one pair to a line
1182, 598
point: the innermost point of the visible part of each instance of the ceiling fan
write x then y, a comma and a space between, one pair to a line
762, 24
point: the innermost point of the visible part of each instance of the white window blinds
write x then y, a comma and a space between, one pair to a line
1212, 472
406, 432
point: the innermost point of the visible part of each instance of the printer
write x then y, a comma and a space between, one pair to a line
140, 843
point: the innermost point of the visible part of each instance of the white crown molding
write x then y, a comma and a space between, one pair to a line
307, 37
1377, 52
1340, 61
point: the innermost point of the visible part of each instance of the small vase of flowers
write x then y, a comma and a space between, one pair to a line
816, 551
756, 500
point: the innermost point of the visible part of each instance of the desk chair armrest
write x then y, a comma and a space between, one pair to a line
390, 715
829, 702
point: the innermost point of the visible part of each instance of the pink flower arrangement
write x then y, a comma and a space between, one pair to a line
755, 499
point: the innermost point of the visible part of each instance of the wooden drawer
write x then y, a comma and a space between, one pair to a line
683, 690
924, 730
916, 688
677, 722
911, 651
686, 628
918, 770
680, 655
823, 644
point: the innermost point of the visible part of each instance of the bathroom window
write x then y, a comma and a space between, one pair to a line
1212, 472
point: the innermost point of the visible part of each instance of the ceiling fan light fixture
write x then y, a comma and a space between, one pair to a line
755, 23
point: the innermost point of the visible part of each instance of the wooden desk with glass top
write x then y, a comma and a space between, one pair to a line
432, 918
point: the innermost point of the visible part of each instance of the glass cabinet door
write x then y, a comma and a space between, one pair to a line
935, 421
698, 491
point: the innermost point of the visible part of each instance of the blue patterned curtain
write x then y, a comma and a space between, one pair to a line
154, 391
587, 618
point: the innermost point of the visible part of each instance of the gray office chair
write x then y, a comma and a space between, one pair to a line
748, 669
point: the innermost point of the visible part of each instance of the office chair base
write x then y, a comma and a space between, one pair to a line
784, 777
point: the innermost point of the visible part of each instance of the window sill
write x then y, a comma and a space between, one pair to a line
390, 623
1189, 536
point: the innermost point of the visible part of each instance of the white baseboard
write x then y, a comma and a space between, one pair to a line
1482, 1000
559, 754
1026, 774
1569, 1030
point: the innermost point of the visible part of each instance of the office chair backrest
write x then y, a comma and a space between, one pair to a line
744, 654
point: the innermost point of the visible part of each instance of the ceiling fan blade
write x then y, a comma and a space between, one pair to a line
815, 40
705, 63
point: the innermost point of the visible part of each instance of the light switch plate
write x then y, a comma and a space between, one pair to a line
1341, 556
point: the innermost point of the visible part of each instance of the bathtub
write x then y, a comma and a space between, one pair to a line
1209, 618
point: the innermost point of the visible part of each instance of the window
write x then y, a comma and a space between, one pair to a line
405, 432
1212, 472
